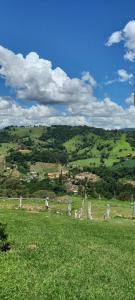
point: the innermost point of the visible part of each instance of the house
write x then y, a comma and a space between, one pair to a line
87, 175
54, 175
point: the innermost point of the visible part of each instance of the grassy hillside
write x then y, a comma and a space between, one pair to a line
57, 257
34, 132
65, 145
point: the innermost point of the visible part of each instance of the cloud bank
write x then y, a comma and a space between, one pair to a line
34, 79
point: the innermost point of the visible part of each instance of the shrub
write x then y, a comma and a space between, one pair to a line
4, 245
43, 194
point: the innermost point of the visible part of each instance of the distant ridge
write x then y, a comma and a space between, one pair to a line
127, 129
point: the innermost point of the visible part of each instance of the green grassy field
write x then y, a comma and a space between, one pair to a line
34, 132
119, 149
5, 147
54, 256
43, 168
88, 162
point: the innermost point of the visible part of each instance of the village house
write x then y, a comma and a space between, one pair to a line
87, 175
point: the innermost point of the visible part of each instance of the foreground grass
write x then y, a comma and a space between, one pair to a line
56, 257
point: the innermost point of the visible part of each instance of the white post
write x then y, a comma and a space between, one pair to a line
80, 214
20, 201
76, 214
90, 212
108, 211
133, 210
85, 195
46, 203
69, 209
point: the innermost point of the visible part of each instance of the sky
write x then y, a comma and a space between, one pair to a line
67, 62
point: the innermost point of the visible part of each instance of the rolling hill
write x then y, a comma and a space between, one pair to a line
64, 145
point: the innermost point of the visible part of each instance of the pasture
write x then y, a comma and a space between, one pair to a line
54, 256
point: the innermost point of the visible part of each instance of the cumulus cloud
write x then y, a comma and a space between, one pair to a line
123, 76
86, 77
115, 38
127, 35
34, 78
106, 114
12, 113
130, 99
100, 109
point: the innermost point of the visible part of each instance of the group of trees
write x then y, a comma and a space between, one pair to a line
47, 156
12, 187
111, 182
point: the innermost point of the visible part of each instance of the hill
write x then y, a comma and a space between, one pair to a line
82, 145
28, 154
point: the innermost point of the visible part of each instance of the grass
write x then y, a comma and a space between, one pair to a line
126, 164
43, 168
57, 257
94, 161
72, 144
120, 149
98, 206
5, 147
34, 132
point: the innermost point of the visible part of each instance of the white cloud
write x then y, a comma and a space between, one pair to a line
106, 114
34, 78
130, 99
100, 109
115, 38
13, 114
127, 34
125, 76
86, 77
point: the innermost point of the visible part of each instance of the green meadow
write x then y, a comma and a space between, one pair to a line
54, 256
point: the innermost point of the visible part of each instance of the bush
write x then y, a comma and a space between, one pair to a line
125, 196
43, 194
4, 245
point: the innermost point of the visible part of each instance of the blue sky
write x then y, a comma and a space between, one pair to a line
72, 36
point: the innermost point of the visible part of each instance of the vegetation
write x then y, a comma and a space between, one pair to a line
57, 257
4, 245
54, 256
29, 154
